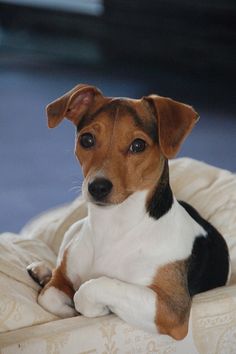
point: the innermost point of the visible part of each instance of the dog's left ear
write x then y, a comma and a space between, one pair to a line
175, 120
73, 105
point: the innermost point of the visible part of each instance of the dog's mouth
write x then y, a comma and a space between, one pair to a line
100, 203
109, 201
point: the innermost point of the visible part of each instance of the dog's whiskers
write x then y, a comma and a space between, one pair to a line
77, 186
77, 189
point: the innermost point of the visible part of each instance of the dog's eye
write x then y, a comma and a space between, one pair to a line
138, 145
87, 140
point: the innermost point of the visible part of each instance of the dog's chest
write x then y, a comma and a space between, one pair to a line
130, 258
132, 252
135, 256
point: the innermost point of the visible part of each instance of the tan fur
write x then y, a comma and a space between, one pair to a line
74, 104
174, 302
60, 280
175, 121
111, 155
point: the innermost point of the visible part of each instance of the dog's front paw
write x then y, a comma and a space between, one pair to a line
39, 272
88, 299
56, 302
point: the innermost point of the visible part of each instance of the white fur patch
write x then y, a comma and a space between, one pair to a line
56, 302
133, 303
86, 301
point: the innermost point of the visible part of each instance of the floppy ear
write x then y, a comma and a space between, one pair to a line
175, 120
73, 105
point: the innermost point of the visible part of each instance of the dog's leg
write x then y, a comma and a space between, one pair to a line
134, 304
57, 301
57, 293
139, 306
57, 296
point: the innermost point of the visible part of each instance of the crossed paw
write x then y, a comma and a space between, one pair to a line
88, 301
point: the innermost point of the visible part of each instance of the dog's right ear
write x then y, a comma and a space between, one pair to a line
73, 105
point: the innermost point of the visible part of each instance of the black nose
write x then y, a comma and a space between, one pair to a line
100, 188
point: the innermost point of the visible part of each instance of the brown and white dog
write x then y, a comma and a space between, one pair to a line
139, 253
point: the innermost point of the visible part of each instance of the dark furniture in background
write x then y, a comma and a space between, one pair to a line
197, 36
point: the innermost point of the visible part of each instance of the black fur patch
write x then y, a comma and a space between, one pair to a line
208, 265
162, 198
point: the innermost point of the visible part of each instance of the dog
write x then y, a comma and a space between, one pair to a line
139, 253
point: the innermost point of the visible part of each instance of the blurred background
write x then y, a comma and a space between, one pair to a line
177, 48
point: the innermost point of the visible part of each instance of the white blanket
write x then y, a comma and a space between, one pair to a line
27, 328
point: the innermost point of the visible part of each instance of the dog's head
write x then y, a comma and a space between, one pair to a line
122, 143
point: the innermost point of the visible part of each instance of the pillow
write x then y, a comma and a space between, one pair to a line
18, 292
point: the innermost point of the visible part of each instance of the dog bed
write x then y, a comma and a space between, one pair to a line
27, 328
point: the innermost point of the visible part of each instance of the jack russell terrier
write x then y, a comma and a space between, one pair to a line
139, 253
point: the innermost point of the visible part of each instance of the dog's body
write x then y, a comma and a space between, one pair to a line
139, 253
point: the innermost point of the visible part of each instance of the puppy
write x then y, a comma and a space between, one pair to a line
139, 253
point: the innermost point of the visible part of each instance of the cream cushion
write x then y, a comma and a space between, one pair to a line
27, 328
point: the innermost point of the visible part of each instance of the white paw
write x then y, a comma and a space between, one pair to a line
57, 302
88, 299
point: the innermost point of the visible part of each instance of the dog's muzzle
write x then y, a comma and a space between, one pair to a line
100, 188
